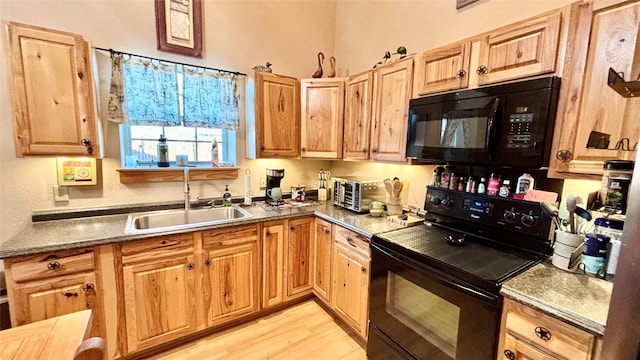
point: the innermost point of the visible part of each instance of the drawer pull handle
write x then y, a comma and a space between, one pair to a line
268, 233
327, 231
190, 266
481, 70
88, 287
363, 270
293, 228
53, 265
207, 263
509, 354
461, 74
351, 242
543, 333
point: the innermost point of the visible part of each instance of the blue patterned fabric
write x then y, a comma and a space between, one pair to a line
150, 93
210, 99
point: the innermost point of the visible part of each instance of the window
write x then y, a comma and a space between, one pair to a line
151, 98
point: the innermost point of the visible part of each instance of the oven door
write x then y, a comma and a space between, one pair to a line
428, 314
463, 131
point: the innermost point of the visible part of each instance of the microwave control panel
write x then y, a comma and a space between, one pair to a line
519, 134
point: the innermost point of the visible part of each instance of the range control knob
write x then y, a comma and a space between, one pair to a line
510, 216
434, 200
528, 220
446, 203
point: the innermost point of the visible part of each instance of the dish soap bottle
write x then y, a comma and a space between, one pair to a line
226, 197
214, 154
163, 152
525, 182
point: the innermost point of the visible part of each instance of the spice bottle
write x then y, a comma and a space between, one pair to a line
494, 184
462, 183
214, 153
482, 186
453, 181
505, 189
525, 182
471, 185
163, 152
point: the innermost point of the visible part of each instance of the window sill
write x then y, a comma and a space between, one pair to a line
174, 174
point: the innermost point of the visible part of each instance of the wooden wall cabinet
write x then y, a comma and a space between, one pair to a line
322, 114
52, 92
443, 69
47, 285
231, 273
159, 290
299, 260
350, 277
526, 333
274, 130
357, 116
322, 250
603, 35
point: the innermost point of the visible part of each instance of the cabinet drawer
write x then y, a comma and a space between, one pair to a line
549, 333
230, 236
352, 240
156, 248
46, 265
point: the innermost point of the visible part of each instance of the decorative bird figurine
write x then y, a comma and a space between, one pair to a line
318, 73
332, 72
402, 51
261, 68
385, 59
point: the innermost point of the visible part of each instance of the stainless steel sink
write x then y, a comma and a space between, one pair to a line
168, 220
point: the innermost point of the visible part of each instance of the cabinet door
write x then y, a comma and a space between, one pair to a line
277, 112
392, 92
52, 92
231, 278
515, 349
524, 49
273, 255
322, 260
351, 288
299, 257
159, 300
57, 296
443, 69
604, 38
357, 116
322, 104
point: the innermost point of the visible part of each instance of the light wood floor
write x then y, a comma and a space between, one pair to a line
303, 331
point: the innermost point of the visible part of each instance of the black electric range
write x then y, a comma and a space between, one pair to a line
451, 267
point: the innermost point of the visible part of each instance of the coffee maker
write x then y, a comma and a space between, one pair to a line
274, 192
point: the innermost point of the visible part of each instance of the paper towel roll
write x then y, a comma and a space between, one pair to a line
247, 188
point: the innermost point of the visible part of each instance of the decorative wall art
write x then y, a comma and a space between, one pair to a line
179, 26
463, 3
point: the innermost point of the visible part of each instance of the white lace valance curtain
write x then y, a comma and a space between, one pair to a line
146, 93
210, 99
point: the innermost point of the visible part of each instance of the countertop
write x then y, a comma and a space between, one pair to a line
576, 298
64, 234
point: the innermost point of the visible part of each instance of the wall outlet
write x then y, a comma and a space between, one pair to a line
60, 193
263, 182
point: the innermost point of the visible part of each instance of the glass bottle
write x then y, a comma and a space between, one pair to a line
494, 184
482, 186
505, 189
163, 152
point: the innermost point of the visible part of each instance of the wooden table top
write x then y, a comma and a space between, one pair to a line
56, 338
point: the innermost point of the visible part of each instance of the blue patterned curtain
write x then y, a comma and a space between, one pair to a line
210, 99
150, 93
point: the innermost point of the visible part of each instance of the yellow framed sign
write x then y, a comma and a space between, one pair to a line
77, 171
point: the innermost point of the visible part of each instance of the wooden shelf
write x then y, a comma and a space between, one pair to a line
172, 174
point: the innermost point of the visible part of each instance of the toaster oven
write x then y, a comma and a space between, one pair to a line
357, 193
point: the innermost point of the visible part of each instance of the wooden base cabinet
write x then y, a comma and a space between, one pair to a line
299, 260
159, 290
350, 277
231, 273
529, 334
322, 250
44, 286
274, 239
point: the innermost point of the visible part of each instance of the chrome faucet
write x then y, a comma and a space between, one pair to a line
187, 196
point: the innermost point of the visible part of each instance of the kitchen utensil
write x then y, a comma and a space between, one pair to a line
571, 207
397, 188
388, 186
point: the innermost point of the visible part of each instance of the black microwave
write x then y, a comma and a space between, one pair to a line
502, 125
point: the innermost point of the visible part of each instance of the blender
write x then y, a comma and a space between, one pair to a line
274, 192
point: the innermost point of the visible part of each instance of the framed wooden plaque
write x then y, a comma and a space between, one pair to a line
179, 26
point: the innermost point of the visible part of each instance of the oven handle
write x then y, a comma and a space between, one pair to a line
438, 276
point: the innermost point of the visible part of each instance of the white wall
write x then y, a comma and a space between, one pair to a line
237, 36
